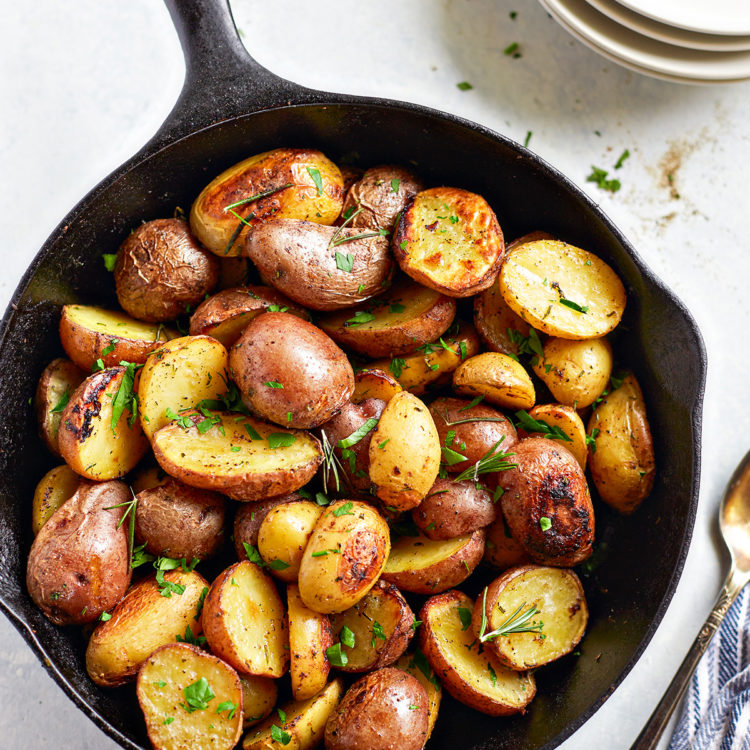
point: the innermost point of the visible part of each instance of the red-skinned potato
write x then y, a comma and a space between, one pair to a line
57, 383
250, 516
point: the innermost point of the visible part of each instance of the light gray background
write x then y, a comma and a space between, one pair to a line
83, 85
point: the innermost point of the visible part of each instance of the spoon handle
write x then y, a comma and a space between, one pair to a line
652, 732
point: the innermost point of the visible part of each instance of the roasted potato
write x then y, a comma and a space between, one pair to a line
374, 383
406, 317
89, 334
562, 290
448, 239
567, 421
147, 617
344, 557
54, 488
381, 627
498, 326
622, 454
176, 520
286, 183
383, 710
500, 379
179, 675
225, 315
79, 563
546, 503
99, 437
234, 271
424, 566
501, 549
161, 270
147, 476
250, 516
416, 664
350, 174
404, 452
290, 372
56, 385
239, 456
555, 598
320, 267
258, 698
245, 623
468, 672
376, 199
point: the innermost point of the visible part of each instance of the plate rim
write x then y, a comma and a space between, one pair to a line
637, 6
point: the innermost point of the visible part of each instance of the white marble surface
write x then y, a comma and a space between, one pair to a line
83, 85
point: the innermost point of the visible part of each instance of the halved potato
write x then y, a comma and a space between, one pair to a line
240, 456
416, 664
424, 566
499, 378
250, 516
245, 623
56, 385
566, 419
258, 698
179, 375
405, 317
310, 635
562, 290
95, 440
558, 605
381, 624
374, 383
304, 724
498, 326
448, 239
190, 699
622, 454
91, 333
288, 183
144, 619
54, 488
469, 673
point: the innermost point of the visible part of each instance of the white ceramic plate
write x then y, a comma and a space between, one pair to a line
639, 52
707, 16
670, 34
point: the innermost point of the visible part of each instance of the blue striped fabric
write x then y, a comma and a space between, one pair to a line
715, 714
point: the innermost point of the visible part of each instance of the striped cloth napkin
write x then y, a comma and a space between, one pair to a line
716, 711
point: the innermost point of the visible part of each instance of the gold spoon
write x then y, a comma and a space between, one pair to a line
734, 522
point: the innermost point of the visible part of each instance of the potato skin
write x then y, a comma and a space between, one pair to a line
250, 516
79, 563
374, 383
54, 488
500, 379
377, 713
176, 520
161, 269
316, 376
501, 549
58, 378
548, 483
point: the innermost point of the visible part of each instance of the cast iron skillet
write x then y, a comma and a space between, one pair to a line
231, 107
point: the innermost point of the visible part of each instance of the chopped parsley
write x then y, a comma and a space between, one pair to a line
109, 260
62, 403
623, 156
316, 178
273, 384
280, 440
463, 86
198, 696
344, 510
395, 182
360, 317
397, 366
599, 176
545, 524
336, 656
465, 615
344, 261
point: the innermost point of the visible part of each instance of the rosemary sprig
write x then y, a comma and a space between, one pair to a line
470, 419
130, 507
331, 463
488, 463
362, 236
258, 196
528, 423
518, 622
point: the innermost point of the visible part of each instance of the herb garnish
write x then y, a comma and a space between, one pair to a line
395, 182
490, 462
463, 86
465, 615
251, 214
198, 696
518, 622
130, 506
344, 510
109, 260
528, 423
194, 640
397, 366
336, 656
573, 305
599, 176
545, 523
358, 434
280, 440
528, 138
62, 403
125, 398
344, 261
316, 178
623, 156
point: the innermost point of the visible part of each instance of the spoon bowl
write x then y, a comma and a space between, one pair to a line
734, 519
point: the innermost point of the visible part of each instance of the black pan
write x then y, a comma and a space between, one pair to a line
231, 107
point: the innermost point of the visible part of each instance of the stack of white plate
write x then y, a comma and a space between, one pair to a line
691, 41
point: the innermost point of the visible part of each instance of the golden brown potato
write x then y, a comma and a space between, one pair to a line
350, 174
546, 503
310, 635
498, 378
56, 385
404, 452
470, 674
321, 267
226, 314
269, 462
383, 710
622, 455
576, 372
286, 183
176, 520
376, 199
498, 326
501, 549
148, 475
448, 239
567, 420
452, 508
406, 317
416, 664
144, 619
258, 698
290, 372
177, 675
245, 623
476, 430
161, 271
562, 290
54, 488
344, 557
381, 629
424, 566
374, 383
99, 437
555, 599
89, 334
250, 516
79, 563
